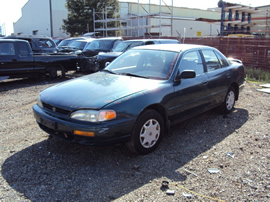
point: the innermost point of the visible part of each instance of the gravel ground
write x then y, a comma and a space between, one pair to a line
235, 147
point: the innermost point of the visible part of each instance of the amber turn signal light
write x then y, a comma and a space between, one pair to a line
84, 133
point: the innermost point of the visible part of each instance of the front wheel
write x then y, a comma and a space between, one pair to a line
147, 133
228, 104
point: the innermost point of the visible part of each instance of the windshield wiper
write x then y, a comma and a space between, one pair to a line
135, 75
109, 71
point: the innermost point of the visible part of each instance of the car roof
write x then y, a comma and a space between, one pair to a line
141, 40
171, 47
86, 40
12, 40
167, 39
28, 36
110, 38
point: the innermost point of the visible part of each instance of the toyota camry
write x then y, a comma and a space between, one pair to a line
138, 96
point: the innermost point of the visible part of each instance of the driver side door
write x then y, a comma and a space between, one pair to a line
190, 95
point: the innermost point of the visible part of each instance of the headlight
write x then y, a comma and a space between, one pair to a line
39, 103
93, 115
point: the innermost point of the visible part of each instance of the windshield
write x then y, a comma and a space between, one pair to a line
154, 64
104, 45
65, 42
77, 44
125, 45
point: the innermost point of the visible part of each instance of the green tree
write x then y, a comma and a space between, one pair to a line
80, 14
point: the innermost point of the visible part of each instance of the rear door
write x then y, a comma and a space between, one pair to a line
219, 75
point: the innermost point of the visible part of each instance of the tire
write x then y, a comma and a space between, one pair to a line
63, 72
228, 104
53, 72
147, 133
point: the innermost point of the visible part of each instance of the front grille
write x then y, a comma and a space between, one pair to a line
55, 109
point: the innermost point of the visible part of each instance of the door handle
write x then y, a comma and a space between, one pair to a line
205, 82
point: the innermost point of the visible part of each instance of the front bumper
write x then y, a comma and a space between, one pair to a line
111, 132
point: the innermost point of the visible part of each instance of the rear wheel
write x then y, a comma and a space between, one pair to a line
147, 133
53, 71
228, 104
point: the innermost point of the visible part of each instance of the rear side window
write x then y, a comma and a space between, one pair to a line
7, 48
23, 49
222, 60
211, 60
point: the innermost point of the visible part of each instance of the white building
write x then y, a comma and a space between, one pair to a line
42, 18
46, 18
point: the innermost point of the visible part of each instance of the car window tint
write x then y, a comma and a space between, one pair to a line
23, 49
78, 44
211, 60
7, 49
128, 64
149, 42
116, 43
65, 42
192, 61
145, 63
46, 43
104, 45
222, 60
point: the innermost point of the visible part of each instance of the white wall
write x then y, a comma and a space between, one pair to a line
36, 16
58, 14
188, 28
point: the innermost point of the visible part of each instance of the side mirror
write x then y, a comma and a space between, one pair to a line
186, 74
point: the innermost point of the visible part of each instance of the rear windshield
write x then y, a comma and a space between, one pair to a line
47, 43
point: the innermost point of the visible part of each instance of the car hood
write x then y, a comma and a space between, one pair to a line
95, 91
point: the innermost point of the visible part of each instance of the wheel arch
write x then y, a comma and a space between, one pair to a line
236, 87
52, 69
162, 111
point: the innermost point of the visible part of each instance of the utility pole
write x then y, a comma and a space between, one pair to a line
51, 17
221, 4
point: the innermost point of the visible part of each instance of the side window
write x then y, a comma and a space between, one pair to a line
7, 48
192, 61
211, 60
222, 60
23, 49
149, 43
116, 43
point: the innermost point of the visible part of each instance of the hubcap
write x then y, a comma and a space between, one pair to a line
230, 100
149, 134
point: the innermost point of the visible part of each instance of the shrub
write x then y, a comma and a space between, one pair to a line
256, 74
